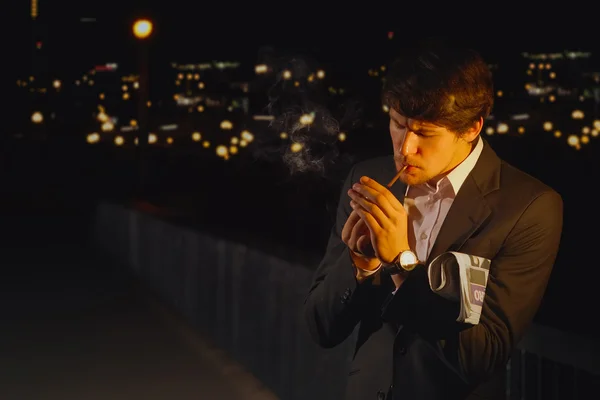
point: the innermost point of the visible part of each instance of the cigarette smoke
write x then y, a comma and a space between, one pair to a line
312, 119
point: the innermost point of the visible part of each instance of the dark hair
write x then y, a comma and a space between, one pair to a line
440, 83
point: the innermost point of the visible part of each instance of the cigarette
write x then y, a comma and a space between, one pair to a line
395, 178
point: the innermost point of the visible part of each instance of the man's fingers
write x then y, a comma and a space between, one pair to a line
353, 218
359, 229
363, 244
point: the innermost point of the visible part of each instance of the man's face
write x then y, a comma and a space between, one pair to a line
429, 150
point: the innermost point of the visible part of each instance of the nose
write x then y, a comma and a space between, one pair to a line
409, 144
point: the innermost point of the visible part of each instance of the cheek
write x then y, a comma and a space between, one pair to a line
436, 161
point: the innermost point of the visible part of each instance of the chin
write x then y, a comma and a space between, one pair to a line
413, 178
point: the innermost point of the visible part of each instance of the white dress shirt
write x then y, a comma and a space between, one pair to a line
427, 205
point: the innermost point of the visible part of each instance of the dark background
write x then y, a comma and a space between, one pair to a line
346, 40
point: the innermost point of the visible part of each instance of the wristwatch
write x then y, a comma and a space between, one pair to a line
405, 262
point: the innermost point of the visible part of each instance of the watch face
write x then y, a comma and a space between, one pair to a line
408, 260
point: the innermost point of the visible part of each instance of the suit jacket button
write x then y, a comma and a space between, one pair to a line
380, 395
402, 350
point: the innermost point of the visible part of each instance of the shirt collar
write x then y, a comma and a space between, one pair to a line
458, 175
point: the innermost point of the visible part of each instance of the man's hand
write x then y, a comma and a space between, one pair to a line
356, 235
384, 216
358, 239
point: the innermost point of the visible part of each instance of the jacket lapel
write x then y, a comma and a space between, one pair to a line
469, 209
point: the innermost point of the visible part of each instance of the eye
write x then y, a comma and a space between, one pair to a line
398, 126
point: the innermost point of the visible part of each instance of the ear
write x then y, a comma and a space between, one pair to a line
474, 131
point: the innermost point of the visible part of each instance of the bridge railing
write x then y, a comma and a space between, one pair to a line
248, 302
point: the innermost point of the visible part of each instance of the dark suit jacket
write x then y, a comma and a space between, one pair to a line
411, 341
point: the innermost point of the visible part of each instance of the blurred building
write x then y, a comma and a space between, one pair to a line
38, 44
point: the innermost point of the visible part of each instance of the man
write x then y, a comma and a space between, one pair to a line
455, 194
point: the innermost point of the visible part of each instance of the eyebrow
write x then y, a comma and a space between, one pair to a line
420, 128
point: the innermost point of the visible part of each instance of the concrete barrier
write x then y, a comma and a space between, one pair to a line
249, 302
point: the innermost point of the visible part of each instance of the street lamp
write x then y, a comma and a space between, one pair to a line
142, 30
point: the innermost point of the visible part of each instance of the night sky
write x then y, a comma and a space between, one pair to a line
206, 30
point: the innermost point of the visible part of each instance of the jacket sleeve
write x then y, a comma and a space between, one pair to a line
336, 302
517, 282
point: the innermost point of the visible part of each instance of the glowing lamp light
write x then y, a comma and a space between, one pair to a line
37, 117
226, 125
296, 147
307, 119
573, 140
222, 151
142, 28
102, 116
93, 138
502, 128
196, 136
108, 126
342, 136
247, 136
260, 69
152, 138
548, 126
119, 140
